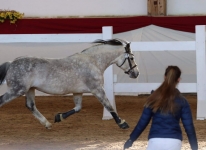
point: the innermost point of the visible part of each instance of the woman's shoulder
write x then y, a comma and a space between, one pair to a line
181, 99
179, 96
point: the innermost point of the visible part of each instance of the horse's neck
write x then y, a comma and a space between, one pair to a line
105, 55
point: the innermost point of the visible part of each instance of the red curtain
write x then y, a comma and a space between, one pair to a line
186, 23
94, 25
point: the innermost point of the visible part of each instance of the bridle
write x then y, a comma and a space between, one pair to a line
127, 54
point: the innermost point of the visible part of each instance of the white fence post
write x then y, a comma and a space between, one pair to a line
108, 77
201, 72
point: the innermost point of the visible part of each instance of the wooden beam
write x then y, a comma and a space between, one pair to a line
161, 7
156, 7
149, 10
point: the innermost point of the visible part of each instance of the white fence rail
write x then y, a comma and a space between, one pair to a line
48, 38
110, 86
148, 87
163, 46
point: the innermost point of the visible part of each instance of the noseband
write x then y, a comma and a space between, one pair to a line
127, 53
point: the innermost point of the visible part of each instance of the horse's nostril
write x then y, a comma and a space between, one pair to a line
137, 74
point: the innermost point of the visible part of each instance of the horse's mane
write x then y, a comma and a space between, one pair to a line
109, 42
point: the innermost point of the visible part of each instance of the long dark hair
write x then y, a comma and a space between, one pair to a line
162, 99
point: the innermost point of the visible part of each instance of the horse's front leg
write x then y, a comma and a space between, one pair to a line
77, 98
99, 93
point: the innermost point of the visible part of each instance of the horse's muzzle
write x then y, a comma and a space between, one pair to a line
133, 74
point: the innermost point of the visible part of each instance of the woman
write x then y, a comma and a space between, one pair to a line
166, 106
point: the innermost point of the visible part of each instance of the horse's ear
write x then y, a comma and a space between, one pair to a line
128, 43
127, 47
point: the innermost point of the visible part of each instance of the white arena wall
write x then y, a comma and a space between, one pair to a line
97, 8
57, 46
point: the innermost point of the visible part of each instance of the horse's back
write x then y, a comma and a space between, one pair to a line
25, 65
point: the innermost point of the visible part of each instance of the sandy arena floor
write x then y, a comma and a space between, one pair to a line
86, 130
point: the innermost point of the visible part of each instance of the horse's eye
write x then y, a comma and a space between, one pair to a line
132, 58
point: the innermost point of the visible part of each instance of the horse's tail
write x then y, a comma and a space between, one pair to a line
3, 70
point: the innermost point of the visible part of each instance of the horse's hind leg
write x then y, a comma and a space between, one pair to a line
30, 104
101, 96
7, 97
77, 98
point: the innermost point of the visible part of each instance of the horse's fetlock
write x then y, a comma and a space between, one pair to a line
122, 121
116, 118
59, 117
123, 124
30, 106
76, 111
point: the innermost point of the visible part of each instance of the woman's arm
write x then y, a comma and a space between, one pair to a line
141, 125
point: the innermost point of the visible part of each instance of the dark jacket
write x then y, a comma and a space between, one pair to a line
167, 125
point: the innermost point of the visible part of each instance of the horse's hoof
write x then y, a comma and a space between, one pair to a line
48, 125
58, 118
49, 128
123, 125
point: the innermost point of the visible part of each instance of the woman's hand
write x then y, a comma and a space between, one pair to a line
128, 144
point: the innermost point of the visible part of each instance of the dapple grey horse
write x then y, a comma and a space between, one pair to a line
77, 74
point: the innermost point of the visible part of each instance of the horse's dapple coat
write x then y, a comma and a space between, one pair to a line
77, 74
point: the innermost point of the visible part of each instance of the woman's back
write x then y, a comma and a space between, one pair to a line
167, 125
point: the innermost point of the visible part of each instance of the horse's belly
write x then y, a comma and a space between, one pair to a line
62, 90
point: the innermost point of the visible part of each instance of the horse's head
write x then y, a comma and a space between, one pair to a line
127, 62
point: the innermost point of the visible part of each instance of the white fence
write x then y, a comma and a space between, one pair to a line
110, 86
200, 87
